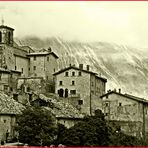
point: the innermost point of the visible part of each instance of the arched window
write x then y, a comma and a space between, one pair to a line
9, 37
0, 36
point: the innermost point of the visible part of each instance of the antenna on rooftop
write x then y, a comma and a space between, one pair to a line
2, 21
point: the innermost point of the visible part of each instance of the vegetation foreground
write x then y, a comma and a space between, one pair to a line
38, 127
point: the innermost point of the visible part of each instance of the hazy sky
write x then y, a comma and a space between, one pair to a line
119, 22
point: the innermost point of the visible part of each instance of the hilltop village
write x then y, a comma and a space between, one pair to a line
29, 77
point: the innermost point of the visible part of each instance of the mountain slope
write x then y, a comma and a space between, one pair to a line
124, 67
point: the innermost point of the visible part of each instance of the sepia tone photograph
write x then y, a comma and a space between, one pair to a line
73, 73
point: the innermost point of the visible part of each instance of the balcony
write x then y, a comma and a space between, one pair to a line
74, 95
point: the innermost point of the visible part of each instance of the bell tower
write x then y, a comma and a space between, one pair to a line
6, 34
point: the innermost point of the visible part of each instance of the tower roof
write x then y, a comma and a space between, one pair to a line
6, 27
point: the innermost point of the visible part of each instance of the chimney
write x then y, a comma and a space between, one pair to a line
87, 67
119, 90
49, 49
81, 66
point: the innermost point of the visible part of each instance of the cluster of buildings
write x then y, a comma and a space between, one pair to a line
24, 71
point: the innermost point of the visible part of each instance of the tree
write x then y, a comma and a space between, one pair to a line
96, 131
37, 126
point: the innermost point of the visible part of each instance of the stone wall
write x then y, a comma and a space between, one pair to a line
123, 109
22, 65
68, 122
7, 122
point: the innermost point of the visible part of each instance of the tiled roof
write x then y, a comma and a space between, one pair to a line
2, 26
76, 68
9, 106
61, 109
42, 54
73, 67
127, 96
4, 70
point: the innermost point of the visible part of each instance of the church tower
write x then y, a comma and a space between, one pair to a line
6, 34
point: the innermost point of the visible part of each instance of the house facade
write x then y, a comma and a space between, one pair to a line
80, 87
129, 112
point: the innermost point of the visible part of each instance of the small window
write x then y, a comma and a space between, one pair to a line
34, 67
34, 58
28, 89
106, 104
73, 73
80, 102
106, 114
22, 70
4, 121
73, 82
0, 76
0, 36
120, 104
66, 74
11, 89
73, 92
5, 87
80, 73
61, 83
15, 68
47, 58
106, 96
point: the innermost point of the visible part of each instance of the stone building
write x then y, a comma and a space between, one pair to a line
129, 112
80, 87
9, 109
22, 61
43, 64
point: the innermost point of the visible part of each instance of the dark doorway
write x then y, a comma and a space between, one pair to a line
9, 37
61, 92
0, 36
66, 93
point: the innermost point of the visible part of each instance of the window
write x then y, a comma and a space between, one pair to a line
11, 89
5, 87
106, 104
80, 102
22, 70
4, 121
15, 68
106, 96
29, 68
73, 73
73, 82
47, 77
34, 67
47, 58
120, 104
35, 74
34, 58
28, 89
73, 92
61, 83
0, 36
106, 114
54, 69
66, 74
80, 73
0, 76
9, 37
